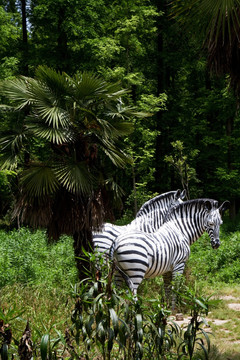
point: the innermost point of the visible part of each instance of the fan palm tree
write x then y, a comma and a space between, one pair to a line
66, 133
217, 22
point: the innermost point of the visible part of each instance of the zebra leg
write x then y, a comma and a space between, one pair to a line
118, 279
167, 279
178, 270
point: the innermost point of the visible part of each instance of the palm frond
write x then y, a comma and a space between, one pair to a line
217, 23
118, 157
13, 142
9, 161
74, 176
114, 129
47, 105
17, 91
53, 135
58, 83
212, 18
88, 85
39, 181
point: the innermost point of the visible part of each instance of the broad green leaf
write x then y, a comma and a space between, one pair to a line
114, 319
44, 346
201, 304
4, 352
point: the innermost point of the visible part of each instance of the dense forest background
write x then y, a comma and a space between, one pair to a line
192, 137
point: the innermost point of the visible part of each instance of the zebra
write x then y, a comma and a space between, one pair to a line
148, 219
139, 255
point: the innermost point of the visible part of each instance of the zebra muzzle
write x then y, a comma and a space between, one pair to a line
215, 243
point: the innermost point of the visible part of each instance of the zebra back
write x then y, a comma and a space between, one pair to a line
148, 219
152, 214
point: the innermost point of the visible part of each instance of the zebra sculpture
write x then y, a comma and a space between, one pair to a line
148, 219
140, 255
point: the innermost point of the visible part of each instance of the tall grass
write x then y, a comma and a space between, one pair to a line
36, 277
27, 258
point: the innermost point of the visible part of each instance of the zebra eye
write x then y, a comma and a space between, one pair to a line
211, 223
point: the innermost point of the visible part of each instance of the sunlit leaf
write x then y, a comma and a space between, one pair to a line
74, 176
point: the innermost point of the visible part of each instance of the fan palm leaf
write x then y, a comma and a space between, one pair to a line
17, 91
74, 176
55, 135
118, 157
39, 181
59, 83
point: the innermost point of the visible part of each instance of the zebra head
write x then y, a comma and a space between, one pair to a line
174, 202
214, 220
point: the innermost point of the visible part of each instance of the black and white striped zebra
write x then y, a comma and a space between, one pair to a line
140, 255
148, 219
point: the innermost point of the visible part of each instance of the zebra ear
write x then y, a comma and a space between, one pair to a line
177, 194
208, 205
183, 194
225, 205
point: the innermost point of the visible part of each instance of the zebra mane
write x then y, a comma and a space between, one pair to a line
147, 206
188, 204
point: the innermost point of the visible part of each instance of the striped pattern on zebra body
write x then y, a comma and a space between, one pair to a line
140, 255
148, 219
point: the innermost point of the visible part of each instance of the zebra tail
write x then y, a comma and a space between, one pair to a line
125, 277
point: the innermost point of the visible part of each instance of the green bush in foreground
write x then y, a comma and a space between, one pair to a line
27, 258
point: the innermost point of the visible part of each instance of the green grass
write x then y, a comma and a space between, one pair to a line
36, 278
27, 258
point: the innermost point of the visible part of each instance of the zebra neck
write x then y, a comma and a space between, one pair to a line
191, 228
148, 222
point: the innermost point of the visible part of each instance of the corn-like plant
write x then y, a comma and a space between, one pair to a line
161, 332
194, 337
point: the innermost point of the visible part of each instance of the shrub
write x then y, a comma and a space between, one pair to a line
216, 265
26, 257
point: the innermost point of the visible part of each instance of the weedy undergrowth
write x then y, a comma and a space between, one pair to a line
195, 343
107, 323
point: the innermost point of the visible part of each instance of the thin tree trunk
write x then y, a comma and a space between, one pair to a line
135, 192
82, 241
229, 130
24, 38
162, 137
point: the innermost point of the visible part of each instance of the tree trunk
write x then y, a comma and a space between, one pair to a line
229, 130
162, 137
24, 39
82, 242
62, 47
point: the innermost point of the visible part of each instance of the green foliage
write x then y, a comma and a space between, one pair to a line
105, 322
8, 43
6, 192
180, 162
220, 265
26, 257
195, 337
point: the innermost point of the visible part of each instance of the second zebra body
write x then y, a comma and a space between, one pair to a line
148, 219
140, 255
